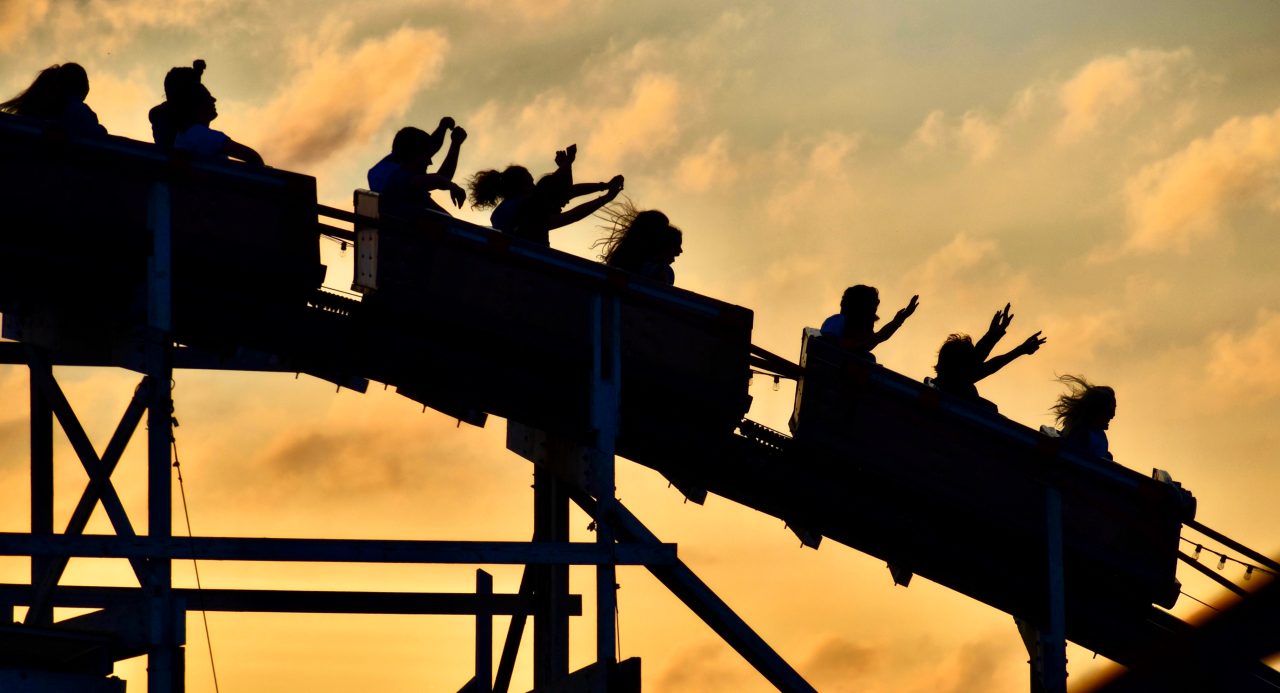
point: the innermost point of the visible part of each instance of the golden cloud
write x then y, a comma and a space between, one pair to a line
340, 99
1113, 86
1245, 364
1181, 198
974, 134
707, 168
648, 120
17, 17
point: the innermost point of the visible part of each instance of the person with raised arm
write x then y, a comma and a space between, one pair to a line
532, 210
961, 363
401, 177
57, 96
1084, 414
854, 326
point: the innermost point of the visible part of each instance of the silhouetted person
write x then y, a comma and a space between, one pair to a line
401, 177
961, 363
642, 242
532, 210
854, 326
179, 84
1085, 414
57, 96
191, 115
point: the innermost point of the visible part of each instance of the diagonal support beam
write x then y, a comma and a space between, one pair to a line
98, 472
511, 646
89, 499
700, 599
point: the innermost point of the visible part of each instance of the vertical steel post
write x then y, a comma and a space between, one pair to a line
483, 682
41, 471
1053, 640
164, 659
605, 372
550, 582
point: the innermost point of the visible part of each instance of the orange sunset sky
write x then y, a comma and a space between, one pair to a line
1113, 169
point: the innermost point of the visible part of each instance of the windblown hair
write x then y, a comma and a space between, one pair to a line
955, 356
49, 94
634, 236
1083, 403
490, 187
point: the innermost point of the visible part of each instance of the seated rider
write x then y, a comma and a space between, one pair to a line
961, 363
854, 326
1085, 414
642, 242
532, 210
401, 177
191, 113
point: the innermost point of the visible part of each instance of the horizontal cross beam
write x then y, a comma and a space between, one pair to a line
336, 550
298, 602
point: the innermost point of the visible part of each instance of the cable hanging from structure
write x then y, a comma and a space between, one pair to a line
1249, 568
186, 513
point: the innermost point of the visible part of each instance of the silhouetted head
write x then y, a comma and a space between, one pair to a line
74, 81
1086, 406
413, 148
490, 187
181, 82
196, 106
957, 359
50, 93
860, 302
639, 237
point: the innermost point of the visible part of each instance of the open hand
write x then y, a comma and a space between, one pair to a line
909, 309
1032, 344
1002, 318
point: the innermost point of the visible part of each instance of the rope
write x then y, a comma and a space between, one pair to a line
186, 513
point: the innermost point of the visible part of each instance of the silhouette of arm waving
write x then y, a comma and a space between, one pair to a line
884, 333
586, 209
1029, 346
999, 324
450, 164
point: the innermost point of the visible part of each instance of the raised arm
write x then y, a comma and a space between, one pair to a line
1029, 346
450, 164
586, 209
884, 333
999, 324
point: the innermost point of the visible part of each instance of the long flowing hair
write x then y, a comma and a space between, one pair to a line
1082, 403
633, 236
492, 186
50, 92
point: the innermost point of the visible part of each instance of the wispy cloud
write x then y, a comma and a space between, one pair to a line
1245, 364
1182, 198
1113, 87
974, 134
17, 18
339, 98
